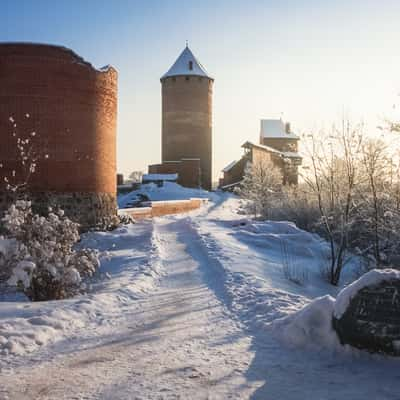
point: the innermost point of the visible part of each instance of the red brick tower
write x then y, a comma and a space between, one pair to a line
187, 115
68, 110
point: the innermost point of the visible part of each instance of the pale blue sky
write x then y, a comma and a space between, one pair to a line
307, 60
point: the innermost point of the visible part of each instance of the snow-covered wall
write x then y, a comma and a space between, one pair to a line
160, 208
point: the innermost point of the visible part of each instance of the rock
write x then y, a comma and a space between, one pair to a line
371, 321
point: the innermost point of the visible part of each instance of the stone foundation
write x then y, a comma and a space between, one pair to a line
90, 210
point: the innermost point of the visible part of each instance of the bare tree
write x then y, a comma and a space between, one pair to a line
28, 154
332, 180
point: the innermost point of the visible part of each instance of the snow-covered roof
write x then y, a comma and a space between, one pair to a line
284, 154
291, 154
186, 64
275, 128
230, 166
159, 177
261, 146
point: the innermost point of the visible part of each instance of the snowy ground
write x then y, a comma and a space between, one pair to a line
195, 306
169, 191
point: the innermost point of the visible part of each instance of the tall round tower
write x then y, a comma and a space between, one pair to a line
187, 115
66, 110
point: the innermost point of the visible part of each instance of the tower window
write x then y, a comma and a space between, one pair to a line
191, 65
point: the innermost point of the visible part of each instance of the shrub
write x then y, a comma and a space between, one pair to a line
40, 258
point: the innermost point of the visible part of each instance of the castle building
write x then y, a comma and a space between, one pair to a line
64, 111
278, 135
278, 144
186, 122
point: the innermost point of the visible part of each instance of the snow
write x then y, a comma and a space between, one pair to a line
181, 66
230, 166
193, 306
291, 154
22, 273
129, 269
371, 278
169, 191
275, 128
261, 146
159, 177
310, 327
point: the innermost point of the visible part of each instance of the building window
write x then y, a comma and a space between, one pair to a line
187, 78
191, 65
173, 79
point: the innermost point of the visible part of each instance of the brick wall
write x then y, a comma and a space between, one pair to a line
160, 208
187, 121
189, 171
281, 144
256, 155
236, 173
71, 108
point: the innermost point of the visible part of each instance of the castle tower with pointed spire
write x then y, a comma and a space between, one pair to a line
187, 119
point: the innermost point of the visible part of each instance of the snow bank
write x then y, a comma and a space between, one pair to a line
371, 278
286, 243
251, 255
130, 268
255, 288
169, 191
311, 327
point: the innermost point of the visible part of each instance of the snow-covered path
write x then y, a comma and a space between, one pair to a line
198, 335
176, 343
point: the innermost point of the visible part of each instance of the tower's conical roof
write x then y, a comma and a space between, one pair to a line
186, 64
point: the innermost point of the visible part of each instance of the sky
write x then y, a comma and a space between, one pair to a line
306, 61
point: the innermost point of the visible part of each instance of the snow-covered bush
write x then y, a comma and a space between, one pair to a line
349, 194
261, 187
39, 256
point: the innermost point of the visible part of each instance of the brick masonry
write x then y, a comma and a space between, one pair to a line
160, 208
72, 109
256, 155
280, 144
189, 171
187, 122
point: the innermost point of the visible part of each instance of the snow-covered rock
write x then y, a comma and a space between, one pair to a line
371, 278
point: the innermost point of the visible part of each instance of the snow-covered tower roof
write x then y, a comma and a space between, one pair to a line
276, 129
186, 64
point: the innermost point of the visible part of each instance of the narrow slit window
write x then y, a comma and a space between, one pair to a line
191, 65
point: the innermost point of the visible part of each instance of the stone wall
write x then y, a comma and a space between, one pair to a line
88, 209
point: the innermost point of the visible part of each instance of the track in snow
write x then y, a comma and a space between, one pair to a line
180, 342
176, 343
